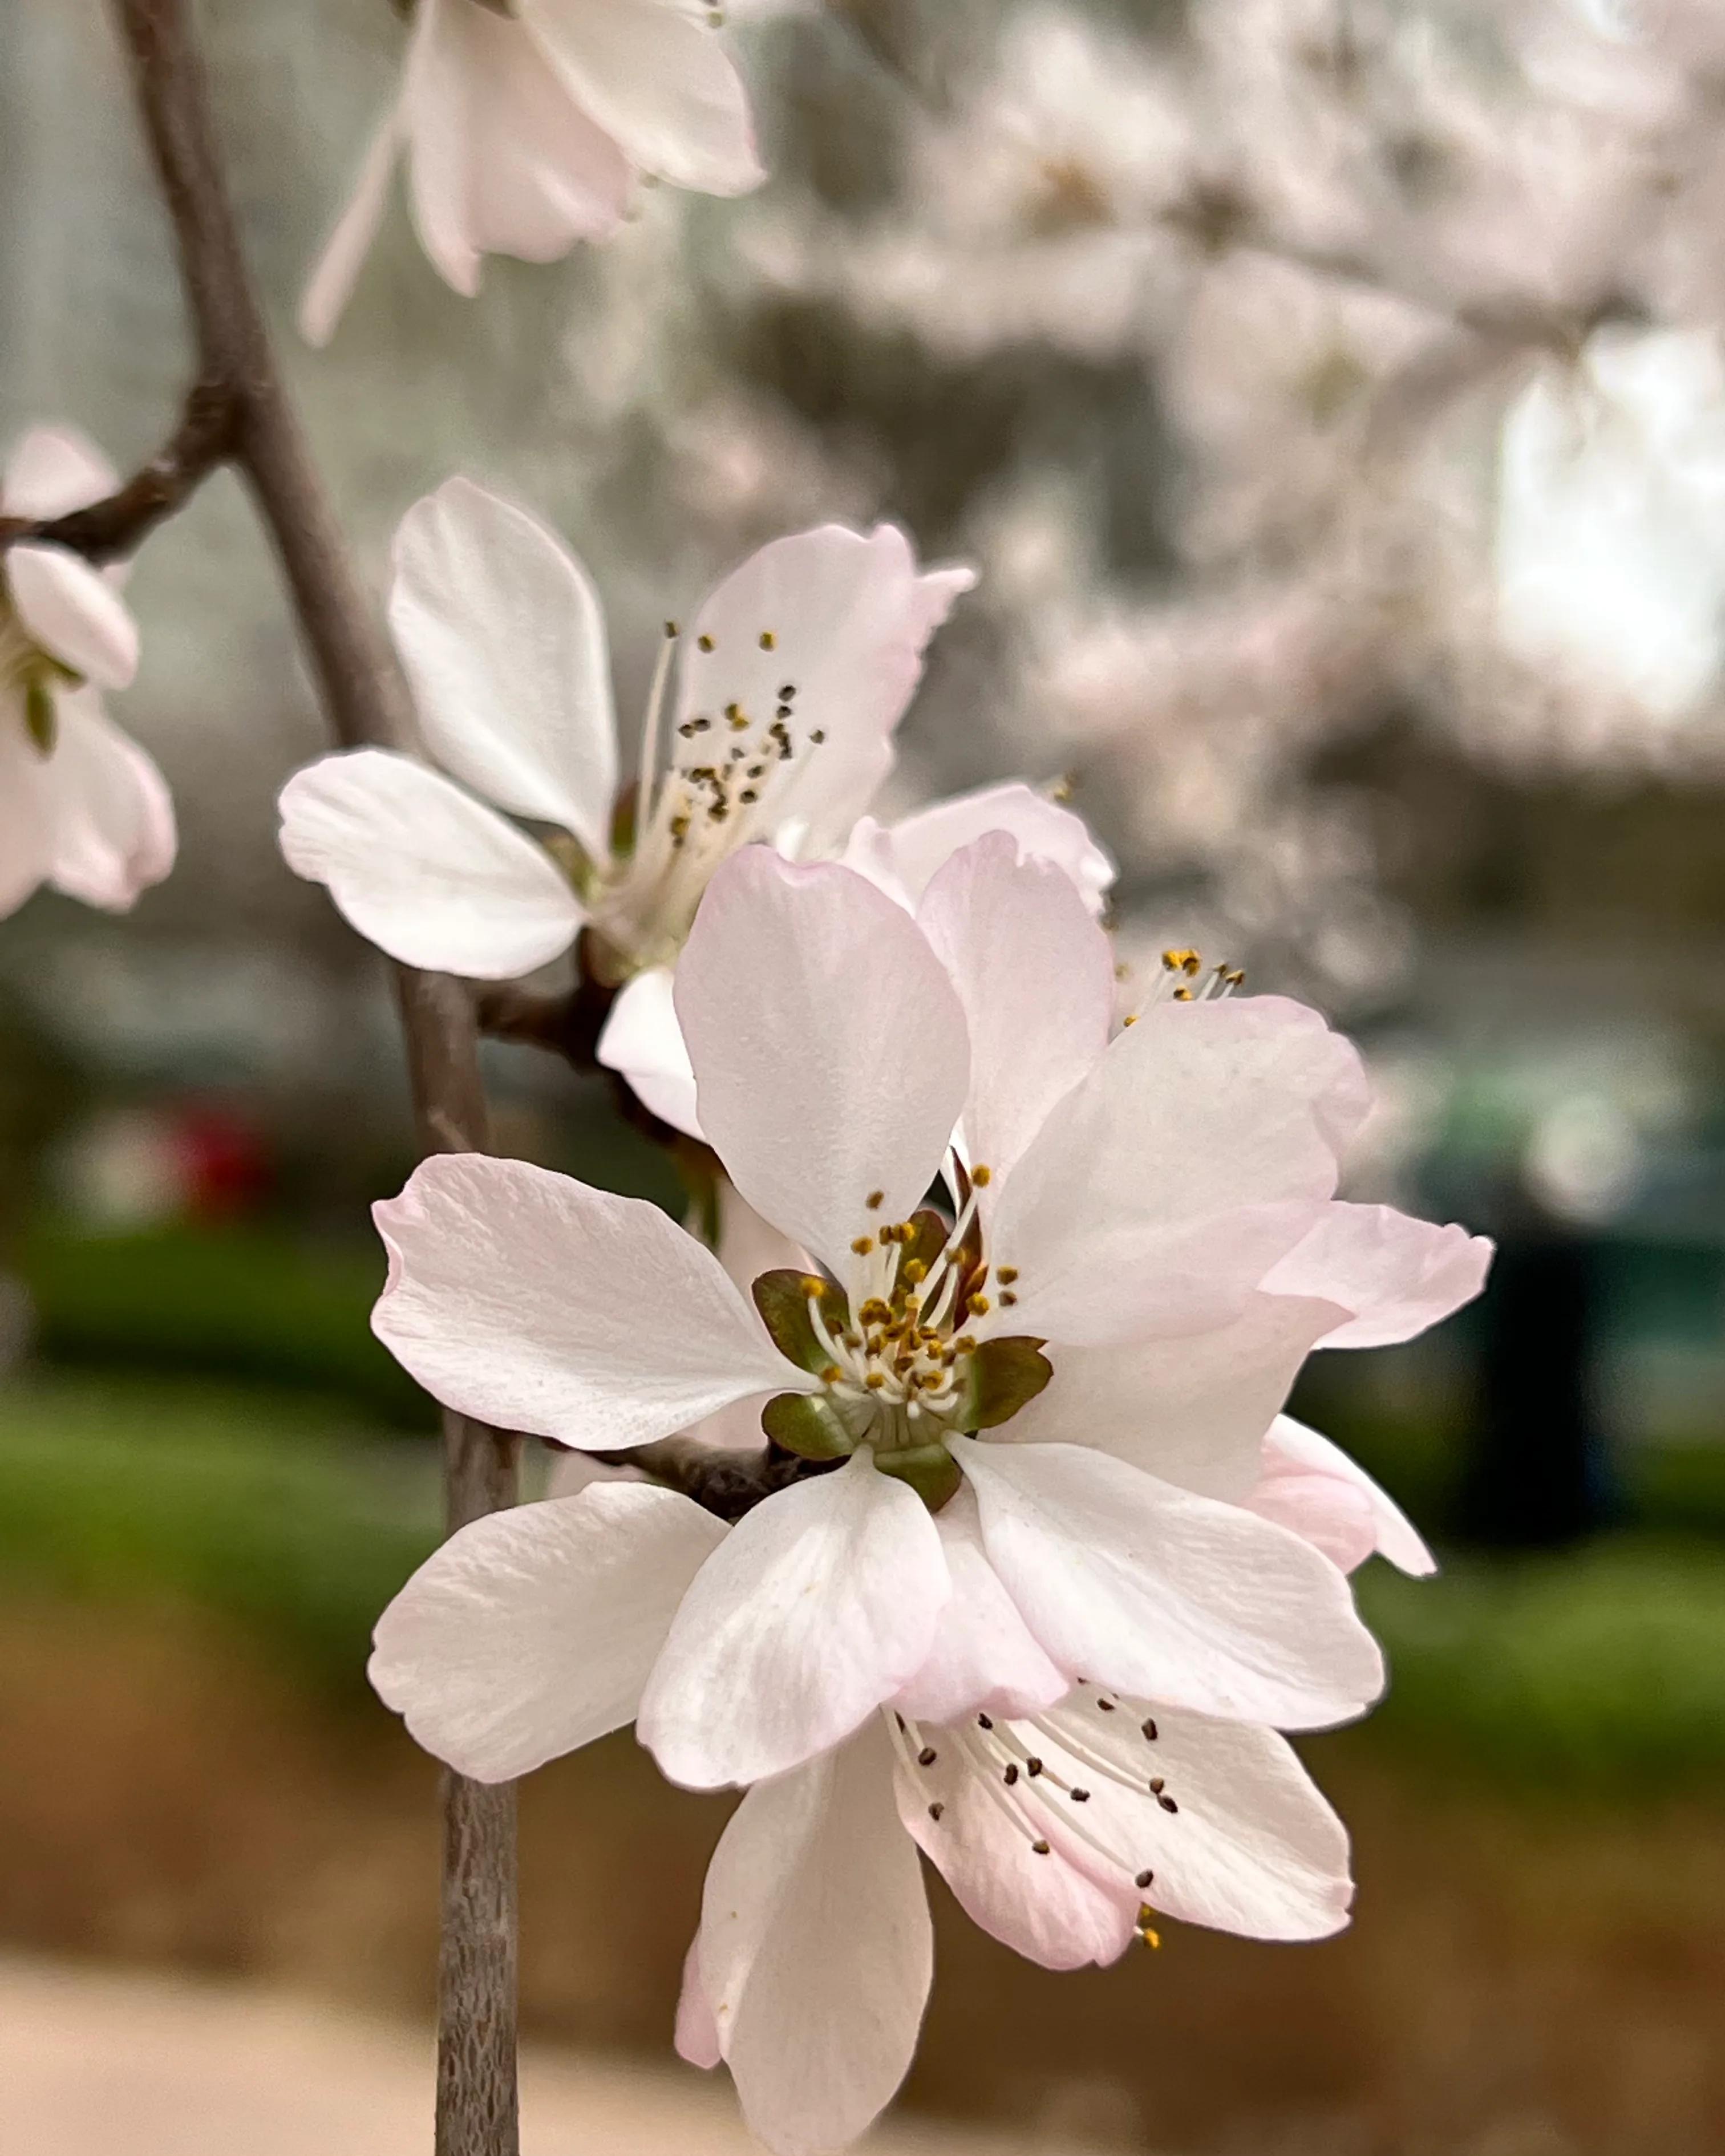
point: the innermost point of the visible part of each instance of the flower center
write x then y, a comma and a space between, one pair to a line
903, 1368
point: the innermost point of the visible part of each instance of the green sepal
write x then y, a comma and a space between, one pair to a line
1004, 1375
782, 1298
41, 721
930, 1469
807, 1424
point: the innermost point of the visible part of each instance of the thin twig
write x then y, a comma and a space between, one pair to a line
110, 529
476, 2100
727, 1484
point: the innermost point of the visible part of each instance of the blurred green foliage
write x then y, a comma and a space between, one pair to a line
1586, 1673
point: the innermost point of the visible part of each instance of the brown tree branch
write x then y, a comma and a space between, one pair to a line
110, 529
727, 1484
360, 692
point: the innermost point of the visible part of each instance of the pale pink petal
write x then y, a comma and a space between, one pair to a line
821, 1603
1035, 976
829, 1047
1395, 1274
1312, 1487
501, 632
1149, 1589
53, 470
1161, 1189
841, 622
643, 1041
336, 271
73, 613
654, 77
1251, 1845
27, 827
531, 1302
816, 1948
1042, 1906
1193, 1409
423, 870
113, 832
531, 1632
697, 2031
983, 1657
747, 1247
921, 844
437, 125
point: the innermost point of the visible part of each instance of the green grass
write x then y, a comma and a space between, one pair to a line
296, 1520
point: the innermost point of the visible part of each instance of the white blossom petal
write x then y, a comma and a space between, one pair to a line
842, 621
983, 1656
1035, 976
531, 1302
336, 270
1199, 1149
654, 76
697, 2030
1395, 1274
643, 1041
921, 844
112, 832
829, 1047
816, 1948
531, 1632
1194, 1409
501, 634
26, 826
821, 1603
1153, 1590
54, 470
423, 870
1311, 1486
73, 613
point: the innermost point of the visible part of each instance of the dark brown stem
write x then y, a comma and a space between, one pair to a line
111, 529
476, 2102
726, 1483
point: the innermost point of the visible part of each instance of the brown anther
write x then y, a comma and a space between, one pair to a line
1157, 1785
1168, 1803
704, 642
984, 1721
875, 1200
748, 797
1006, 1275
1079, 1796
927, 1755
1143, 1880
934, 1811
1040, 1848
1009, 1301
787, 692
818, 735
1149, 1731
1033, 1767
671, 629
1011, 1774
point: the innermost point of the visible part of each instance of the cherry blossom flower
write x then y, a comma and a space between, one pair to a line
525, 125
1114, 1209
792, 678
82, 808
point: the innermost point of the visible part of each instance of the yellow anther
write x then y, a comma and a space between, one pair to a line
977, 1304
1182, 962
812, 1284
862, 1244
768, 640
704, 642
671, 628
912, 1270
1151, 1937
1131, 1018
875, 1380
965, 1344
982, 1175
1182, 996
1233, 977
1006, 1275
831, 1374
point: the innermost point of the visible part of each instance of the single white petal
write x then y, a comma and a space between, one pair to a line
531, 1302
747, 1247
1193, 1409
53, 470
27, 825
1199, 1149
437, 125
530, 1632
816, 1948
73, 613
983, 1656
643, 1041
1035, 976
841, 621
697, 2031
829, 1047
336, 271
922, 843
423, 870
113, 832
1150, 1589
821, 1603
1251, 1846
501, 634
1038, 1903
1312, 1487
1395, 1274
654, 76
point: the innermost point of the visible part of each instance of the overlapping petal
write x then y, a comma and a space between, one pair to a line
1156, 1591
336, 271
502, 636
423, 870
532, 1632
53, 470
1197, 1152
983, 1656
74, 613
918, 845
26, 832
820, 1603
815, 1951
829, 1047
535, 1303
1311, 1486
109, 816
1395, 1274
642, 1041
